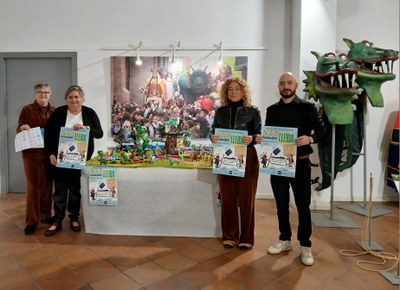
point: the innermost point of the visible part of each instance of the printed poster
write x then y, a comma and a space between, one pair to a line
72, 148
27, 139
229, 155
103, 186
278, 151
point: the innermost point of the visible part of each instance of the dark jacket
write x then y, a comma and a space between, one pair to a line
299, 114
246, 118
35, 116
58, 119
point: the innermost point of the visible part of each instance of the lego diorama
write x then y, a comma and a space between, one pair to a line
172, 148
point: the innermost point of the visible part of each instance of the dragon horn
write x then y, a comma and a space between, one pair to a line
317, 54
348, 42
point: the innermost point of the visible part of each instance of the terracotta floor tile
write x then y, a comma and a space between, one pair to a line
178, 243
199, 253
13, 278
96, 271
223, 284
30, 285
252, 278
215, 245
274, 266
148, 273
79, 258
106, 251
282, 285
198, 276
175, 262
135, 241
44, 268
64, 248
246, 257
61, 280
228, 268
127, 260
116, 282
307, 277
8, 263
172, 282
34, 256
16, 242
154, 250
209, 271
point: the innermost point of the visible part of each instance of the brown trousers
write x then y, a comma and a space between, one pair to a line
239, 191
39, 186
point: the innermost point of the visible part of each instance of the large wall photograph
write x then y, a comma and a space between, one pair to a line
186, 91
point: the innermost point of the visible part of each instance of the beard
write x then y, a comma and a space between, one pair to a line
287, 94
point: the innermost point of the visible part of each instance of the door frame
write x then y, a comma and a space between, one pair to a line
4, 167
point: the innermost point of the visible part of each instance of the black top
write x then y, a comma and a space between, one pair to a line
298, 114
58, 120
52, 134
238, 118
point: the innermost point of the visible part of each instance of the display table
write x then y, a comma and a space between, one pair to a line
157, 202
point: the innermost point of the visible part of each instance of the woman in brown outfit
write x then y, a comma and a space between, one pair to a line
39, 184
236, 112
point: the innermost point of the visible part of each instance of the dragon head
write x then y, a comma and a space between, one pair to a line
333, 84
375, 67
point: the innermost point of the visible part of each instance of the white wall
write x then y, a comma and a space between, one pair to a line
92, 25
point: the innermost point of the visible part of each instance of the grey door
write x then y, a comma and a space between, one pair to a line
19, 72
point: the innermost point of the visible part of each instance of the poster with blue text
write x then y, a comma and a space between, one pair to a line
229, 155
103, 186
72, 148
278, 151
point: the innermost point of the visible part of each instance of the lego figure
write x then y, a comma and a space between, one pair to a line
217, 161
264, 160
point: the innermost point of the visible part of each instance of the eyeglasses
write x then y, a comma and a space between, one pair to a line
42, 93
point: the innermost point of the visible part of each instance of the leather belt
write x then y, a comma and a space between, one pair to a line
303, 157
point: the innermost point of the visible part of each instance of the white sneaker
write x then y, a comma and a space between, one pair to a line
280, 246
306, 256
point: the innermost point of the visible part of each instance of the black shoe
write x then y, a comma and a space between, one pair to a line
228, 247
244, 248
29, 230
75, 226
50, 232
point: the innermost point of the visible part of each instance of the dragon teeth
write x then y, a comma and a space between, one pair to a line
340, 79
380, 67
346, 76
389, 64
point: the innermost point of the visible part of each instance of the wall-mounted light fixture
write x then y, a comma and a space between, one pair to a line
178, 45
221, 51
138, 60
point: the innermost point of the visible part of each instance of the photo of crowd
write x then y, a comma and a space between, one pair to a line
159, 91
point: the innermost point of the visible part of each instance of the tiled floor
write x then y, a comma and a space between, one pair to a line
72, 260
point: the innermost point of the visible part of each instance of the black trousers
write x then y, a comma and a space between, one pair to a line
301, 186
67, 196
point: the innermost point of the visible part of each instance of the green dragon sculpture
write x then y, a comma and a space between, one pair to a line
342, 84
